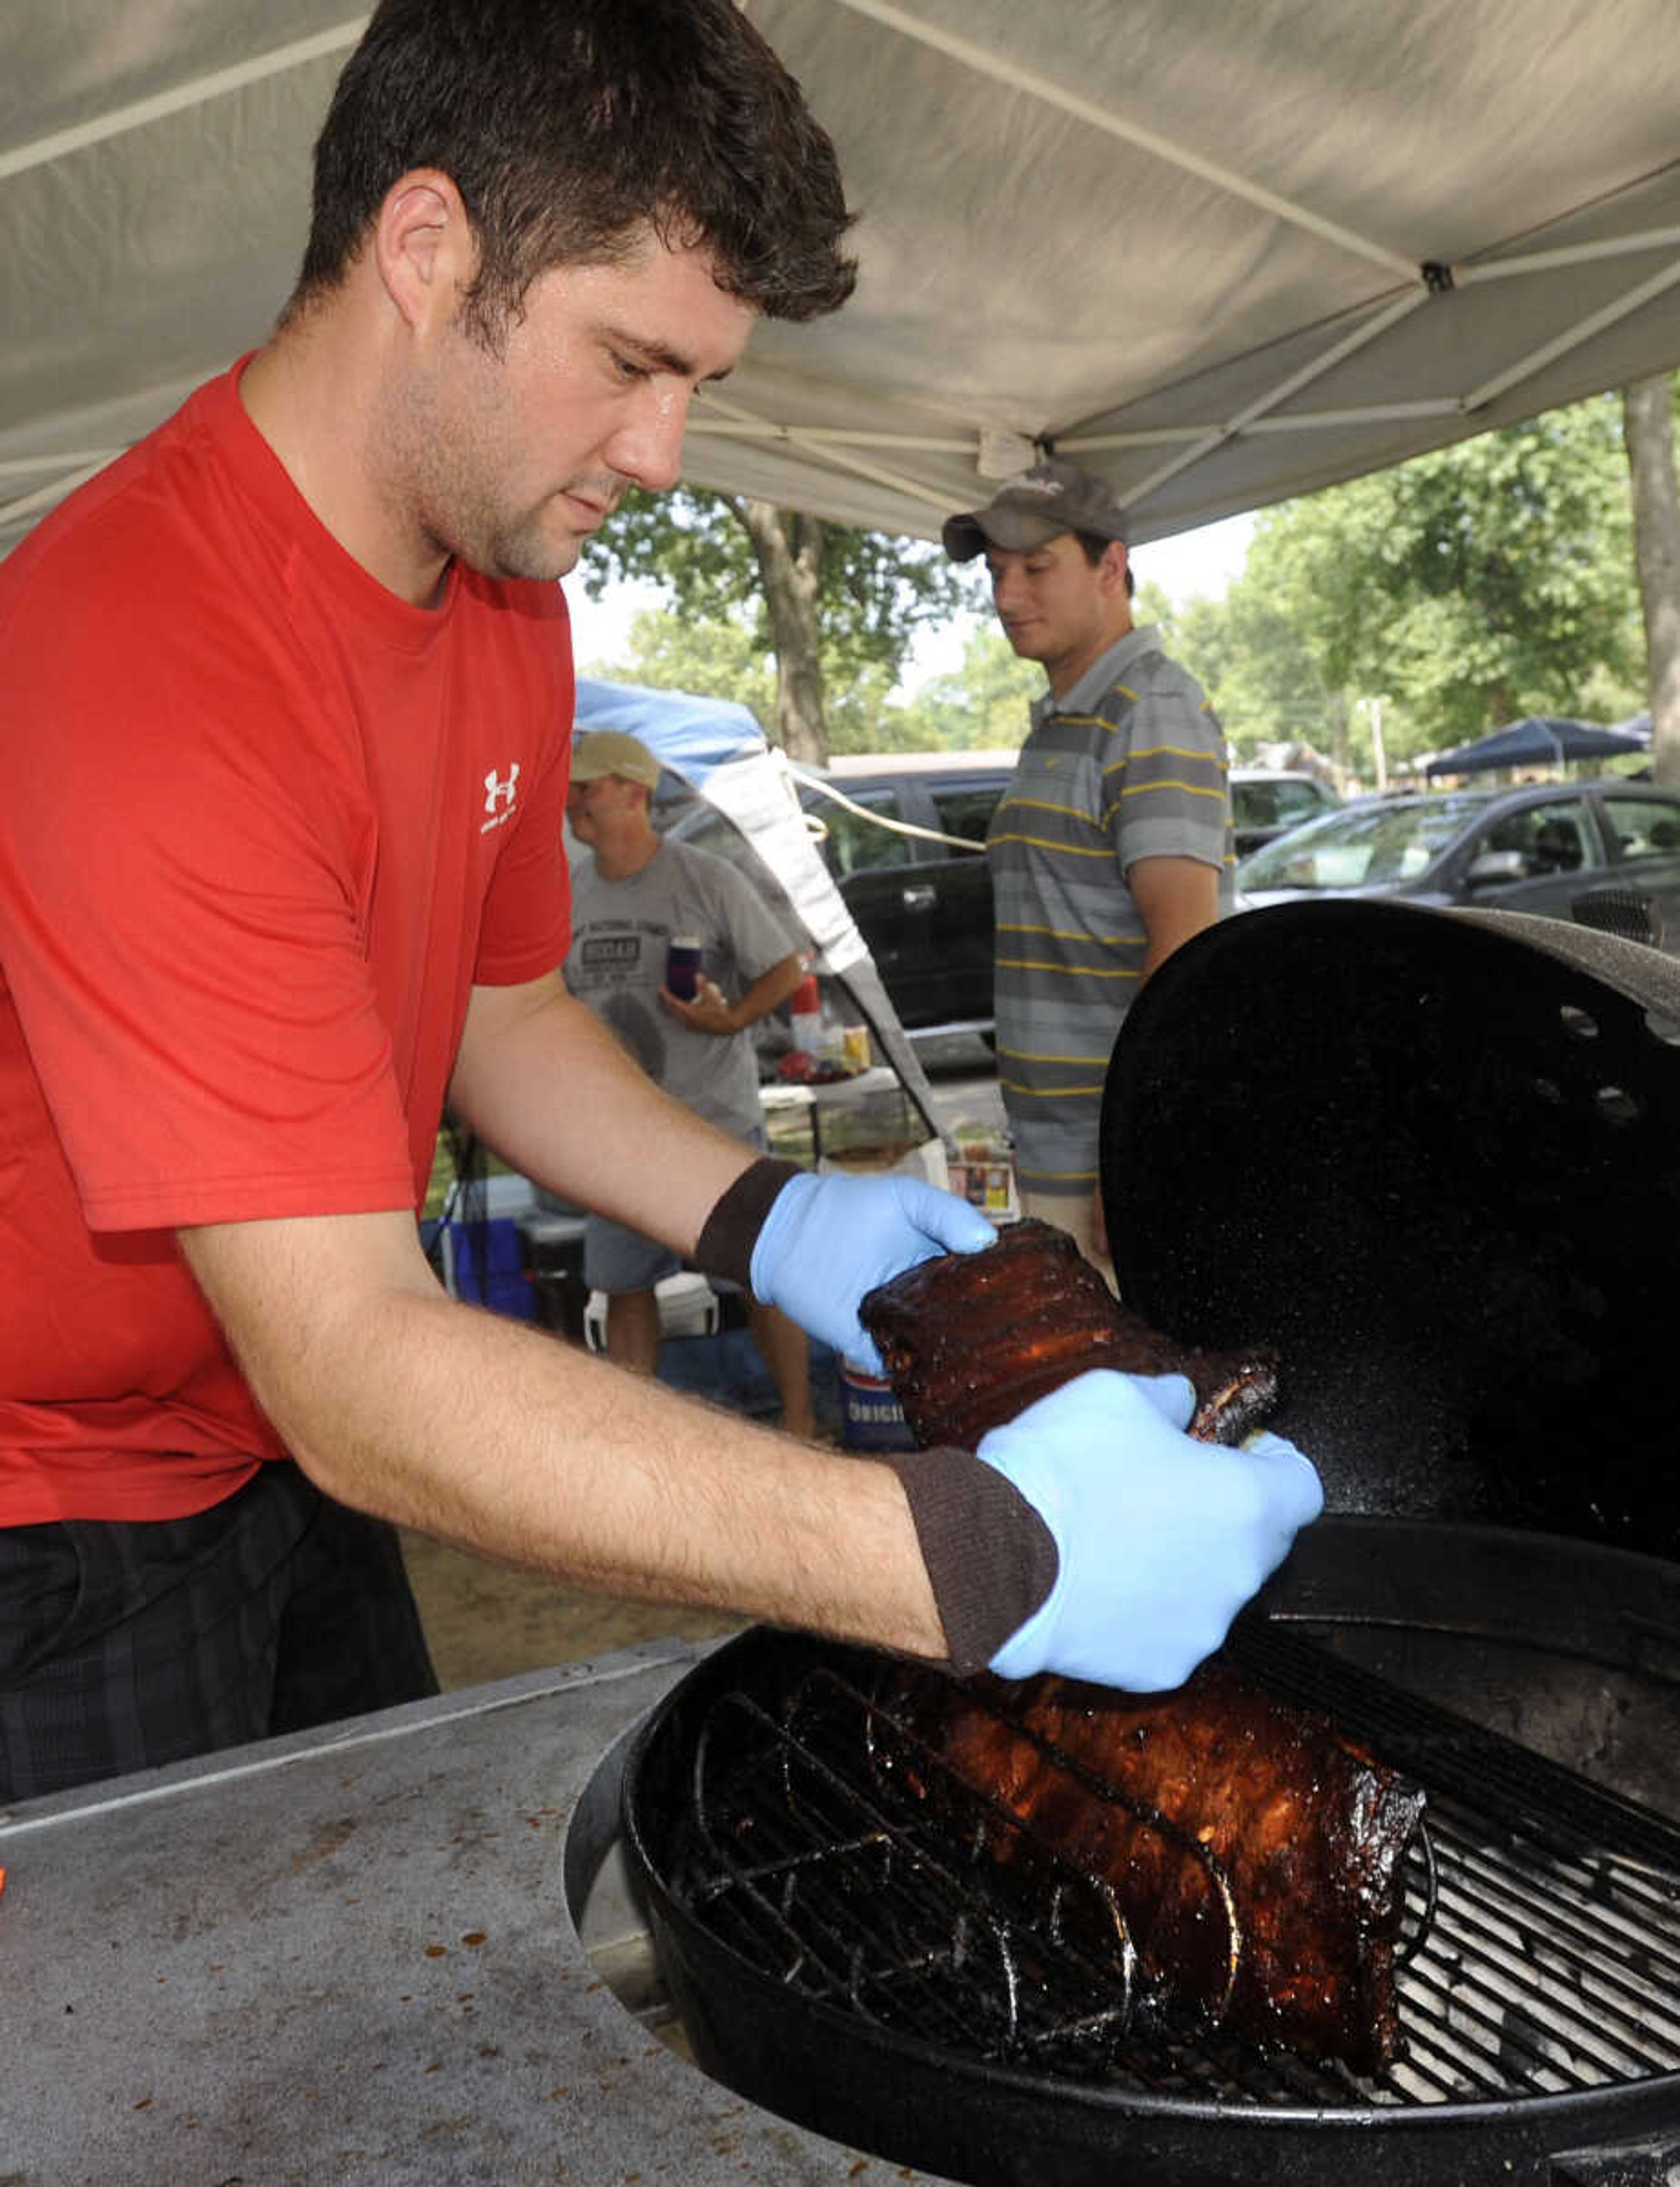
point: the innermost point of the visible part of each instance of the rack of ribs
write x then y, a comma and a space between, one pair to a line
969, 1339
1255, 1853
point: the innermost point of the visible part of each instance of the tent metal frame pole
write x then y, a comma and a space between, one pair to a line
1378, 324
1567, 254
1583, 330
796, 436
24, 466
1298, 421
45, 497
820, 436
196, 90
1014, 77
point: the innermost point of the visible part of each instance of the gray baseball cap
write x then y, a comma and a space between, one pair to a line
1035, 506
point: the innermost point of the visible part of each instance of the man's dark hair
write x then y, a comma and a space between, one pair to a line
569, 128
1093, 545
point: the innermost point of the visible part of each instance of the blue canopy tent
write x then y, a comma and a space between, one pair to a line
715, 751
1538, 740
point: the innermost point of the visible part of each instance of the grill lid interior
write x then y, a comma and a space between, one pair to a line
1433, 1158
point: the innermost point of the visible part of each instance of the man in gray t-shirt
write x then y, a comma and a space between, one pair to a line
636, 896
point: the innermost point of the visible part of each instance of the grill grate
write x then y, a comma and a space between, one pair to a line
826, 1846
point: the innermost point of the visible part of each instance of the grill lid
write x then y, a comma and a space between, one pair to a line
1433, 1157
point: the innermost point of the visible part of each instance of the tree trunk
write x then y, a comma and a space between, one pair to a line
788, 547
1648, 428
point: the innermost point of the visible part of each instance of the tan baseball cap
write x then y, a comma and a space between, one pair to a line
1035, 506
610, 751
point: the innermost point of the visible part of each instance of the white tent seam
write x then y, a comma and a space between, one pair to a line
1572, 338
196, 90
1297, 421
748, 429
1567, 254
44, 497
796, 437
1361, 336
1016, 78
21, 466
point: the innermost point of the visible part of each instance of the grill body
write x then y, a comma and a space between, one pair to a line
1432, 1159
1552, 1968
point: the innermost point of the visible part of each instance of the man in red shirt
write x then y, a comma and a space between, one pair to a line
289, 697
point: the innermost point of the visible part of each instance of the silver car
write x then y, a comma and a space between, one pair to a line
1541, 849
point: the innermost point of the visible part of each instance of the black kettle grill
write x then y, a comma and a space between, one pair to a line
1435, 1159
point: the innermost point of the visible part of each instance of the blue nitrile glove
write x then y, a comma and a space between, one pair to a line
1160, 1539
827, 1240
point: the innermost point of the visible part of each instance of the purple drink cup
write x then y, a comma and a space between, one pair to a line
683, 962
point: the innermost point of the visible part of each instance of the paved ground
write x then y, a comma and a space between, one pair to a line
485, 1622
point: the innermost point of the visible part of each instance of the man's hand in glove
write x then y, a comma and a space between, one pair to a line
827, 1240
1160, 1540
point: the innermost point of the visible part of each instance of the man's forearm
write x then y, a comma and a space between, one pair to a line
553, 1093
402, 1402
768, 990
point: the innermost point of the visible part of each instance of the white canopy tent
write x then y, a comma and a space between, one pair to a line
1223, 253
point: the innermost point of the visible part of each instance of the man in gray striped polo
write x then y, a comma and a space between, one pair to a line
1112, 843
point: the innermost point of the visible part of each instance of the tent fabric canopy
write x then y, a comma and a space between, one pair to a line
1538, 740
1224, 255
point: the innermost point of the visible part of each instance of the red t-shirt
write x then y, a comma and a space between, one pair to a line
263, 826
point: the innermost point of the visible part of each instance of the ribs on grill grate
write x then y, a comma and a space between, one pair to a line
1255, 1853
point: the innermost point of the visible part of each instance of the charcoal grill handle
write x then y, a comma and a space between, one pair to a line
1630, 2164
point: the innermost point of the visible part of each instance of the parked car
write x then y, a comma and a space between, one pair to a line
923, 905
1537, 849
1267, 804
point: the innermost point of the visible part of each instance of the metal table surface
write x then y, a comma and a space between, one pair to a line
347, 1955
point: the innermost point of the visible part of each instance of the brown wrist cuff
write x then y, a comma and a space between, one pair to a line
991, 1559
731, 1231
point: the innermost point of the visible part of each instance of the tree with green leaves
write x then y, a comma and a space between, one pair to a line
1648, 430
1458, 591
714, 656
837, 609
982, 703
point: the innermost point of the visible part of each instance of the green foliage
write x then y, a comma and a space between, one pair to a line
981, 703
874, 591
1467, 587
984, 702
717, 658
1252, 657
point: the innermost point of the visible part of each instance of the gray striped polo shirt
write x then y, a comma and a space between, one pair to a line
1130, 764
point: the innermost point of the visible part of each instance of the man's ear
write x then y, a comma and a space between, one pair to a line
1114, 565
423, 247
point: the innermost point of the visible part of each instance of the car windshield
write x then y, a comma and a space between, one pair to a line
1276, 801
1361, 844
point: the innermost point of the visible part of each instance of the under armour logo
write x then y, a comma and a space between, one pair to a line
499, 792
496, 788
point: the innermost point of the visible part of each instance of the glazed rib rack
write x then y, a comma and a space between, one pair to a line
827, 1845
